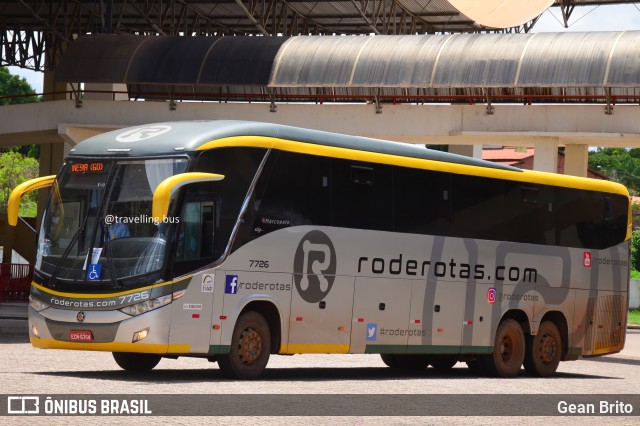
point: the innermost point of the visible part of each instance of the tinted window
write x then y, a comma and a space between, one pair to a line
575, 214
612, 229
293, 191
421, 201
528, 214
477, 207
361, 195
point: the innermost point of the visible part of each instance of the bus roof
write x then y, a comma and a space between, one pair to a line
171, 138
187, 136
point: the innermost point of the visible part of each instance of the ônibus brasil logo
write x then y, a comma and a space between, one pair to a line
314, 266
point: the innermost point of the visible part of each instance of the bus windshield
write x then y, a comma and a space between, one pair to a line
98, 227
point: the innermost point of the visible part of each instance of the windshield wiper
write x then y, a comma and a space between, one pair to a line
51, 282
112, 266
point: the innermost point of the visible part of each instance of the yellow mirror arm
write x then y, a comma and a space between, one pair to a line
19, 191
168, 187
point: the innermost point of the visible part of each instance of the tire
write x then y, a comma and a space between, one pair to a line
508, 351
405, 361
544, 351
136, 363
250, 348
443, 363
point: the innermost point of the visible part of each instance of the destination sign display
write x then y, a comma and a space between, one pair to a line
87, 167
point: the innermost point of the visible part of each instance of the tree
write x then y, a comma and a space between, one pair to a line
13, 85
618, 164
15, 169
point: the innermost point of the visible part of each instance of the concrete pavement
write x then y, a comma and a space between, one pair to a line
13, 320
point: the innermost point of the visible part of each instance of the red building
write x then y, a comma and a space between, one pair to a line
523, 158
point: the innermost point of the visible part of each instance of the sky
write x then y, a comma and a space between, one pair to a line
587, 18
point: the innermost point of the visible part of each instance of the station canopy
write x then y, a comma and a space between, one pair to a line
538, 67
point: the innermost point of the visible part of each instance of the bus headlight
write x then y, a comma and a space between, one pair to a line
150, 305
37, 305
147, 305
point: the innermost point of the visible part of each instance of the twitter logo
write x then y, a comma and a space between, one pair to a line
372, 332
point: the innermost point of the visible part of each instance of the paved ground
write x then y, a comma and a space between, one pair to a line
25, 370
13, 320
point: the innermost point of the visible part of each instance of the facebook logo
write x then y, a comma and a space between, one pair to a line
231, 284
372, 332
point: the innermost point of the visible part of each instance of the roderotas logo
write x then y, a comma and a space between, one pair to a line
314, 266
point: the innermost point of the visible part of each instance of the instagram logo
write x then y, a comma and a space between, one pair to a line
491, 296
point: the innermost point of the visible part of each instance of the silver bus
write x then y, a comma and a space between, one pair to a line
233, 241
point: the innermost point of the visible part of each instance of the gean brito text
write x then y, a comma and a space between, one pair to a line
399, 265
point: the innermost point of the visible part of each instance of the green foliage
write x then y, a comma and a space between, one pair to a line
618, 164
635, 250
634, 317
12, 85
31, 151
15, 169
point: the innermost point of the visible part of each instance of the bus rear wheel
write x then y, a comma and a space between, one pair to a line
250, 348
544, 351
508, 350
136, 363
405, 361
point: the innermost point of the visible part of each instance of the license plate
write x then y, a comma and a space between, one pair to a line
81, 335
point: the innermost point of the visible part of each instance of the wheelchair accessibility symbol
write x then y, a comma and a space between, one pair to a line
94, 272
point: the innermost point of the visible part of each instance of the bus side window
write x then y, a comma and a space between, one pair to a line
295, 193
361, 195
421, 201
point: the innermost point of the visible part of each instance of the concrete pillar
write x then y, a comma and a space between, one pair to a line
50, 86
474, 151
546, 154
576, 160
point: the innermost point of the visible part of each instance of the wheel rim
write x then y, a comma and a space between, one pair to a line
507, 345
548, 349
250, 346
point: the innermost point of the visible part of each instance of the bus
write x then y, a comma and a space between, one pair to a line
234, 240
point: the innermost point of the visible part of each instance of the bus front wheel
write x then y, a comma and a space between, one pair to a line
508, 350
250, 348
544, 351
136, 363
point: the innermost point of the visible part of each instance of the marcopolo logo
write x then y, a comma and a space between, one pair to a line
314, 266
142, 133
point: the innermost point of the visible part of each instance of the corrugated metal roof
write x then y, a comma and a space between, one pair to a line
461, 61
347, 67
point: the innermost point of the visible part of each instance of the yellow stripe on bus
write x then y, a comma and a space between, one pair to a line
417, 163
314, 349
102, 295
112, 346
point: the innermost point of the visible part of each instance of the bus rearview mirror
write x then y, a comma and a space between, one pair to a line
13, 206
167, 188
